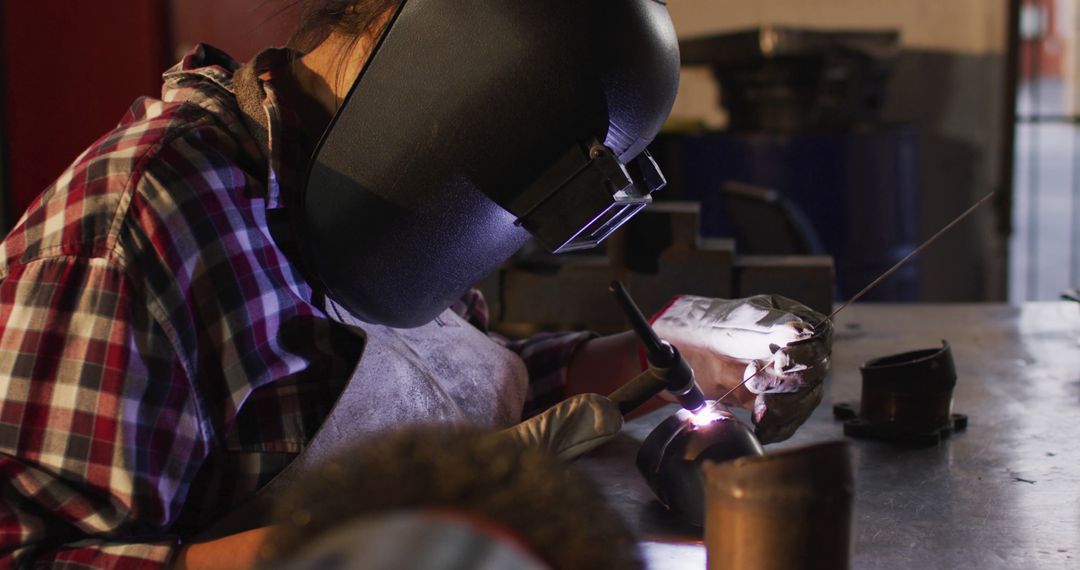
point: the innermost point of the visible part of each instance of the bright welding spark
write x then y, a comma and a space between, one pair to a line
712, 412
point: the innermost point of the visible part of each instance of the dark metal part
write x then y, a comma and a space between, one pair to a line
671, 456
1009, 120
782, 79
743, 47
906, 398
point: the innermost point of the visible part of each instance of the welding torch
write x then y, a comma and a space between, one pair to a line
667, 370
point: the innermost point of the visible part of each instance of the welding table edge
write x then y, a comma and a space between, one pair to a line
983, 498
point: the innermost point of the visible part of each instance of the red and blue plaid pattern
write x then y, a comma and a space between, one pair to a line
161, 354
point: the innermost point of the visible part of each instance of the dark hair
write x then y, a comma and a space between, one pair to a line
557, 511
319, 18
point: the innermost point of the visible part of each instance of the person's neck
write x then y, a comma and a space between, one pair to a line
327, 72
319, 80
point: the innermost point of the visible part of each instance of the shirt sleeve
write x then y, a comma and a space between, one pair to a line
546, 355
99, 433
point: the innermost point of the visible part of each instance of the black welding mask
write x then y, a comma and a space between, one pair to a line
475, 125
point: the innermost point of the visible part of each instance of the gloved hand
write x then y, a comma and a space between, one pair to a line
571, 427
726, 341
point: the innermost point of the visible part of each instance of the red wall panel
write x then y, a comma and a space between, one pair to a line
239, 27
71, 71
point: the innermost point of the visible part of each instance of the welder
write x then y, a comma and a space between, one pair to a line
274, 260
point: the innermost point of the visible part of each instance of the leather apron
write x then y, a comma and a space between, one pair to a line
446, 371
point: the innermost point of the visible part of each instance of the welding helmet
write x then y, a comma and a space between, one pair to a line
475, 125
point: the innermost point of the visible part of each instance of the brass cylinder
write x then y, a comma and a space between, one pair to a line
785, 510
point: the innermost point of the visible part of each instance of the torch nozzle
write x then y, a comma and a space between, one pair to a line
693, 400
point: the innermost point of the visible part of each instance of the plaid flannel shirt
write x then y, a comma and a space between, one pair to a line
161, 354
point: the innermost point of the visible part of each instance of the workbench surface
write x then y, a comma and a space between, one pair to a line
1005, 493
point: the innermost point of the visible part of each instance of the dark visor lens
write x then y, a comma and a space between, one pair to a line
597, 195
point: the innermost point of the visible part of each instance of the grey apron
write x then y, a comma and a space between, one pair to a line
445, 371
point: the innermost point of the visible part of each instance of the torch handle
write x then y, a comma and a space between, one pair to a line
636, 392
659, 353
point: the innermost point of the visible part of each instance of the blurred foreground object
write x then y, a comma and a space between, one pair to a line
782, 511
413, 540
523, 493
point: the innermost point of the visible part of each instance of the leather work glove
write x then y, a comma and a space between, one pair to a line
570, 428
726, 341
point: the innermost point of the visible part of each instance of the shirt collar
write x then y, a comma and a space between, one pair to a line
273, 129
203, 61
282, 139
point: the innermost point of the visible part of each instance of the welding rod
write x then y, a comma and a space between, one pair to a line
873, 284
907, 257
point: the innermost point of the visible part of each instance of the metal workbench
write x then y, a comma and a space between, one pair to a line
1005, 493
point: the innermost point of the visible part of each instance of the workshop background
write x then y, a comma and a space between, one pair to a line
946, 126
